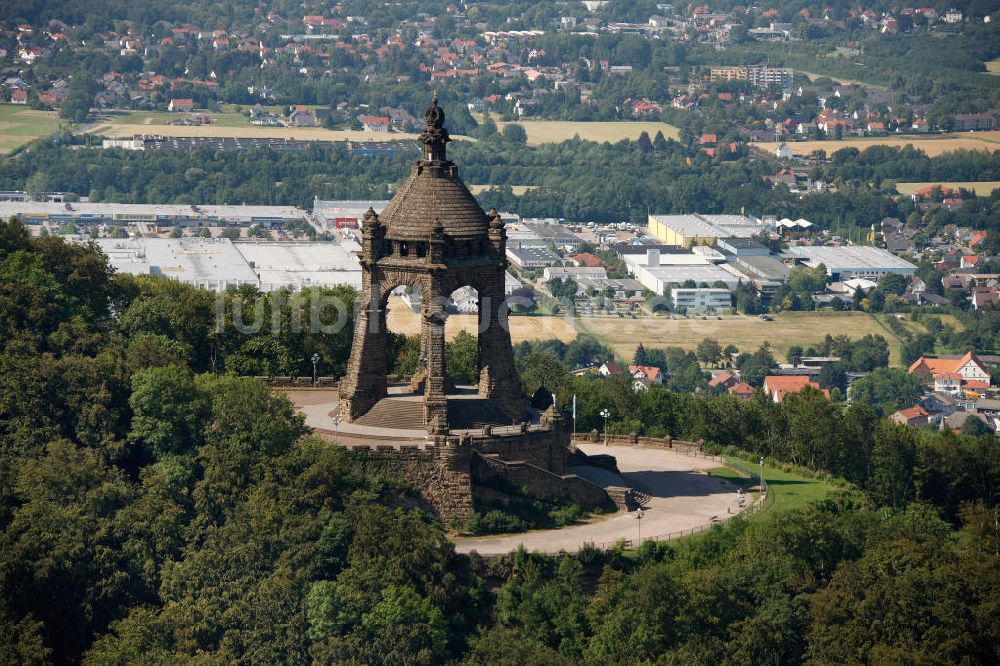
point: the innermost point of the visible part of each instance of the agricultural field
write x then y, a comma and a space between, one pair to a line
402, 319
19, 125
554, 131
747, 333
933, 145
839, 79
245, 131
624, 335
981, 188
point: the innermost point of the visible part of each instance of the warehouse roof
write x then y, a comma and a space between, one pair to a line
840, 259
54, 209
303, 264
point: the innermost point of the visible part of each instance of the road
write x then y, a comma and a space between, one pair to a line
683, 497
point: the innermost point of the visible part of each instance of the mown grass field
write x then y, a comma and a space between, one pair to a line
933, 145
981, 189
19, 125
554, 131
993, 67
161, 118
789, 491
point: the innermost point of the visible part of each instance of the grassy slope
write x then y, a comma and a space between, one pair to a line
19, 125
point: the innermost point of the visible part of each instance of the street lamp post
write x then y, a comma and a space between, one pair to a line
336, 426
639, 513
315, 360
605, 413
762, 474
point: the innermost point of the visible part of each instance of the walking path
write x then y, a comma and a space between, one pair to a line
683, 497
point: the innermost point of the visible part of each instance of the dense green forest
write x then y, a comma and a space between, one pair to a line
155, 509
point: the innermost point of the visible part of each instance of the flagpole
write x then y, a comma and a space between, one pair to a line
574, 417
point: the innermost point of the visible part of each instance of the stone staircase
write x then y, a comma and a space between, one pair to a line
399, 414
471, 413
640, 498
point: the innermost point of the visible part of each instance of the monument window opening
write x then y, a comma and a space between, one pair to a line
462, 340
404, 343
421, 250
404, 250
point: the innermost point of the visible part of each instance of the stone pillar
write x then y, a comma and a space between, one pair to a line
364, 384
452, 497
432, 332
559, 442
498, 380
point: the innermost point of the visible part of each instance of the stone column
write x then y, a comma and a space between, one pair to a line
364, 384
432, 331
498, 379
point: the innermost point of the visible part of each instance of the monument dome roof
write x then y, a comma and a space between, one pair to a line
433, 192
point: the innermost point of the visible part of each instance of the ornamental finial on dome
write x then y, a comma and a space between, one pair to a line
435, 136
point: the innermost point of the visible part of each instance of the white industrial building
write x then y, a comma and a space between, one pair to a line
713, 298
299, 265
218, 264
339, 214
658, 277
208, 263
850, 261
37, 212
532, 258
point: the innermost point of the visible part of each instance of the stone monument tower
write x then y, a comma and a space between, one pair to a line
433, 238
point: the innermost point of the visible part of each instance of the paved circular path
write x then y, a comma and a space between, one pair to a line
683, 497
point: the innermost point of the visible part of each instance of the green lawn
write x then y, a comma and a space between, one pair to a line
19, 125
788, 491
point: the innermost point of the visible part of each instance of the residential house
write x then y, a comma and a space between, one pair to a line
723, 381
645, 375
375, 123
969, 367
913, 416
741, 390
778, 386
300, 117
609, 369
181, 105
19, 97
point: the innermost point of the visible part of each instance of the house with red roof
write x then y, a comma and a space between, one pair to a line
375, 123
588, 260
913, 416
644, 375
968, 370
723, 381
778, 386
741, 390
181, 105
